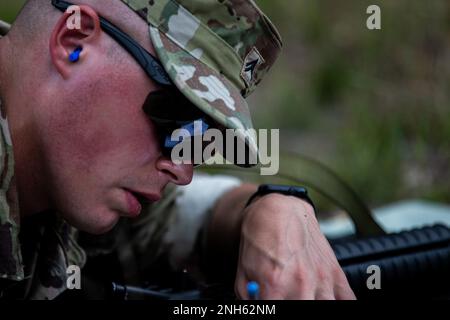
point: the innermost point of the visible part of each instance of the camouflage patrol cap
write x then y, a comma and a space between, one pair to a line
215, 51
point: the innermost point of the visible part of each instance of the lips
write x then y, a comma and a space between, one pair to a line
133, 204
136, 200
146, 197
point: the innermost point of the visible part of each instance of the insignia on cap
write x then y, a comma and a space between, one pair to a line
252, 62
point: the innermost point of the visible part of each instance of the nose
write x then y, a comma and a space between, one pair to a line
180, 174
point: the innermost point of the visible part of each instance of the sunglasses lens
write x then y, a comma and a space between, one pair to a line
169, 110
189, 142
171, 105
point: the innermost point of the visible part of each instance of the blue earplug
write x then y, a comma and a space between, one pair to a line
75, 56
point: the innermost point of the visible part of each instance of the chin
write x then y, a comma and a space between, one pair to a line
101, 224
99, 230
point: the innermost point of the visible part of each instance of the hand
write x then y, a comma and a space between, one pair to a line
283, 249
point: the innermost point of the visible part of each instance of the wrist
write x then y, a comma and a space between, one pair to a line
269, 189
275, 202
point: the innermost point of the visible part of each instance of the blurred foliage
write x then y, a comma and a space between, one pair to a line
372, 105
9, 9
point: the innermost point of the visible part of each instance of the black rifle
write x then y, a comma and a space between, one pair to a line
411, 264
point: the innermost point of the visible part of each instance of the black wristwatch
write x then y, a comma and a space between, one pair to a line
298, 192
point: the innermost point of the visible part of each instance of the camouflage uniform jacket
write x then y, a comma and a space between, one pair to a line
35, 253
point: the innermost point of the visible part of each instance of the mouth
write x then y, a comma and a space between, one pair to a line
143, 197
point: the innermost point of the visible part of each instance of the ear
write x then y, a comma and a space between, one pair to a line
64, 41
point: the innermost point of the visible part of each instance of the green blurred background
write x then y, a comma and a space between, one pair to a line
372, 105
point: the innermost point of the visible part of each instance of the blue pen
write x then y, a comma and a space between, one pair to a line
253, 290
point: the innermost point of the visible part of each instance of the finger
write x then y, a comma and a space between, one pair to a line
346, 294
304, 294
240, 286
326, 293
302, 291
342, 291
273, 294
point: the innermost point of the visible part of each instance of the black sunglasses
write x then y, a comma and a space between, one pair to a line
182, 114
148, 62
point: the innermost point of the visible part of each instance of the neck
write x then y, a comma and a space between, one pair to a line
28, 170
28, 156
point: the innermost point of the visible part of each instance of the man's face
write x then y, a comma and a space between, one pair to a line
99, 145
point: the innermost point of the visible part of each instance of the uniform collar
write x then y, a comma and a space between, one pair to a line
11, 266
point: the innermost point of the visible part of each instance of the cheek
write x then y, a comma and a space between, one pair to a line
101, 132
114, 136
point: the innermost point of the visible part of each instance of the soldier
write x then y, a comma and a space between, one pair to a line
79, 151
